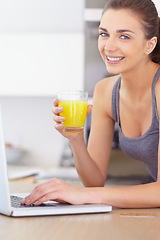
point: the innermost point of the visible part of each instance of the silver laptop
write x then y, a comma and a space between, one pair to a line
11, 206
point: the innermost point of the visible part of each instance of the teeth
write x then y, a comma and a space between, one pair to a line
114, 59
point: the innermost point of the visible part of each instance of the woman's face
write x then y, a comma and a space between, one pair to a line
121, 42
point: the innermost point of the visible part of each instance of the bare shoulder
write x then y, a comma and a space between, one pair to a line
106, 84
103, 93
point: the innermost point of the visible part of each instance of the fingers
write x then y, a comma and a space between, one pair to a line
38, 192
43, 192
89, 109
59, 127
56, 109
55, 102
58, 119
45, 198
57, 190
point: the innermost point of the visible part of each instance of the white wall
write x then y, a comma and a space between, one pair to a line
27, 29
41, 46
40, 64
28, 123
157, 3
41, 15
28, 119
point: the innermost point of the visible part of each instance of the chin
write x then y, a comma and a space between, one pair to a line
112, 70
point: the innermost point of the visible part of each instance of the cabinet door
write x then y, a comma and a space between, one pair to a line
40, 63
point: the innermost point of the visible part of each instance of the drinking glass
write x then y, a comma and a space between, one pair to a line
74, 105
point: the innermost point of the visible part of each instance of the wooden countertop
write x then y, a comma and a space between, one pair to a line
111, 226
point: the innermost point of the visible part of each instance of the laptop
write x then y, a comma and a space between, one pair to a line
10, 203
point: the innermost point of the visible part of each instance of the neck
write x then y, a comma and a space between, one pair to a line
136, 83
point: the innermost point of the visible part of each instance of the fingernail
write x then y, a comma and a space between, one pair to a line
58, 126
36, 203
27, 202
23, 200
62, 119
60, 109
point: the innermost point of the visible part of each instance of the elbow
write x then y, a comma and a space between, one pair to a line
100, 183
157, 194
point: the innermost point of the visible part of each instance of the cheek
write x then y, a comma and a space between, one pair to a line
100, 46
137, 52
136, 49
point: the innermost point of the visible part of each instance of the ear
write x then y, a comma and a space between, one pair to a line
150, 45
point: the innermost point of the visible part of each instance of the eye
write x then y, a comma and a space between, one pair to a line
124, 37
103, 34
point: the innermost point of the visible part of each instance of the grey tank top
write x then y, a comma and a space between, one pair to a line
145, 147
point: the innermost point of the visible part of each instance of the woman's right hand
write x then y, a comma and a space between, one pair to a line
59, 120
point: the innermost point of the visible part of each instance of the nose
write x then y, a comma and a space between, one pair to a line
110, 45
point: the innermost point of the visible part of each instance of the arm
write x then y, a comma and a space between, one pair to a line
140, 196
92, 165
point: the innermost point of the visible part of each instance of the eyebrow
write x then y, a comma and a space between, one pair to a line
118, 31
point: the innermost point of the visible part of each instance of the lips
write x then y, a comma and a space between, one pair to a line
114, 59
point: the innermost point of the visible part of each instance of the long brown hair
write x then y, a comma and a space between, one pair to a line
148, 14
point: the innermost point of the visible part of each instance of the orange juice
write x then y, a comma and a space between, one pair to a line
75, 112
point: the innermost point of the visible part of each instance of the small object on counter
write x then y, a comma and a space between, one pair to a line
29, 179
138, 214
14, 154
8, 145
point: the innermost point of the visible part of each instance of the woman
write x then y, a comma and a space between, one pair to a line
129, 35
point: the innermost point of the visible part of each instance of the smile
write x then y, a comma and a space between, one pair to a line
114, 59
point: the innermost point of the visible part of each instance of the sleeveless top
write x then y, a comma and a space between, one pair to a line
145, 147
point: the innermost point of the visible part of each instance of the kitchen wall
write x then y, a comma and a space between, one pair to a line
157, 3
28, 123
101, 4
41, 16
40, 64
32, 35
27, 116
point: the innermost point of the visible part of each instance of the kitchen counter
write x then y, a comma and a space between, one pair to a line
120, 224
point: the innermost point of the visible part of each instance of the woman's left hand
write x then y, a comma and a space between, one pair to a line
57, 190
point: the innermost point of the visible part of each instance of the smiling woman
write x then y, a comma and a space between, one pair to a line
124, 45
147, 15
129, 45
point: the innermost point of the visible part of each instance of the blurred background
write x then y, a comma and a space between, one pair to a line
41, 52
46, 46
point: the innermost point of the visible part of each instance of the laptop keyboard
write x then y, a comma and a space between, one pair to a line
16, 202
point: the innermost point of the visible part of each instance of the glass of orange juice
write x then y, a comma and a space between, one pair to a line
74, 105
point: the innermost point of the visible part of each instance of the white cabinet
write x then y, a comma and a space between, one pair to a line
38, 64
41, 15
157, 3
93, 14
41, 46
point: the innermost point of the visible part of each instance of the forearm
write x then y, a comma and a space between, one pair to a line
139, 196
87, 169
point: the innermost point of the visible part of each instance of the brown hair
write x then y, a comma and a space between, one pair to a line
148, 13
